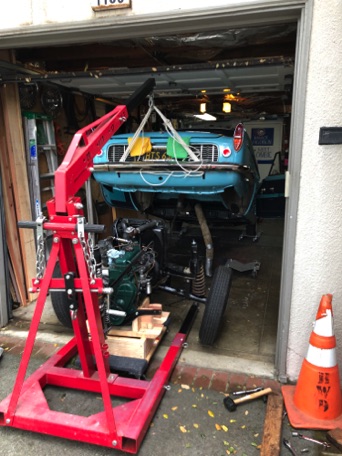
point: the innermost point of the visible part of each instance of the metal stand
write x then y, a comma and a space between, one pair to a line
253, 266
250, 232
121, 427
255, 237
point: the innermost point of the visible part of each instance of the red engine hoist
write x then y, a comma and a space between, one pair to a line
121, 427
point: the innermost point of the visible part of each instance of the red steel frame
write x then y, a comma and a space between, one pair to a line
122, 427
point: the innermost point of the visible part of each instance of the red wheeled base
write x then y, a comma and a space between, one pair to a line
122, 427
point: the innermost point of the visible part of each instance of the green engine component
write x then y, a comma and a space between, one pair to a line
125, 293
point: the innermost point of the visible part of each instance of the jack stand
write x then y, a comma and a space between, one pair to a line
122, 427
255, 237
253, 266
250, 232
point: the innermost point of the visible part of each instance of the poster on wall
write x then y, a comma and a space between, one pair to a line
262, 136
266, 137
100, 5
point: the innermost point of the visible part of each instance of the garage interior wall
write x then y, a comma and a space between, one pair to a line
312, 263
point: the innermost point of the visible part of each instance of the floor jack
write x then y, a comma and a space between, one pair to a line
122, 427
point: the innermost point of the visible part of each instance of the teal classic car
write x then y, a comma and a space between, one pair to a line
166, 174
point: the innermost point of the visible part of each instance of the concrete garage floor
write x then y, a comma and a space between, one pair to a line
246, 342
247, 339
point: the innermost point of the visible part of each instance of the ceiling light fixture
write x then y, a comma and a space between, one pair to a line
203, 107
226, 107
205, 116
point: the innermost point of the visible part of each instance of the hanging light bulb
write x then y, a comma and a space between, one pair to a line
203, 107
226, 107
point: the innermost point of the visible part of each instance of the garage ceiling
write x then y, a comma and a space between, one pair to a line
253, 67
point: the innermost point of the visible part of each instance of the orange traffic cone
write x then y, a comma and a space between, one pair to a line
315, 402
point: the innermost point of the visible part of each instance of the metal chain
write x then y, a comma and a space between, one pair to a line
40, 261
88, 251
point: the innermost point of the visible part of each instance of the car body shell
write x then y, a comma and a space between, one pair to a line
224, 180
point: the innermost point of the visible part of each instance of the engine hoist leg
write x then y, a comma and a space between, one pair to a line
98, 341
37, 315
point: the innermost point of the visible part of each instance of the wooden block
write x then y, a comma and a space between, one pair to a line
137, 330
132, 347
150, 324
142, 338
139, 346
271, 442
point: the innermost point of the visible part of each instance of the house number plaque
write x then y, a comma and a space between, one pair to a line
100, 5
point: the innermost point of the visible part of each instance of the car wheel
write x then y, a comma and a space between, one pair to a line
216, 305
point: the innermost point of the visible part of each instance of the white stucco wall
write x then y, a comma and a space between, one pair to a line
318, 258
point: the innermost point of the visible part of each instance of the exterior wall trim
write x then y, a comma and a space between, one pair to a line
130, 26
290, 228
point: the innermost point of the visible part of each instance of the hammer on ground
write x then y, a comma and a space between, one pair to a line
231, 404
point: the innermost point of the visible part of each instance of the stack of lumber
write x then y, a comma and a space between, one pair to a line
17, 207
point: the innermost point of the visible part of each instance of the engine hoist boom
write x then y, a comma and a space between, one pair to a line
122, 427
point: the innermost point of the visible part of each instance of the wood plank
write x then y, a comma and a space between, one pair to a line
141, 347
14, 289
17, 163
271, 441
132, 347
12, 235
154, 332
155, 345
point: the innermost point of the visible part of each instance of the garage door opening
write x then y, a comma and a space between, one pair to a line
250, 68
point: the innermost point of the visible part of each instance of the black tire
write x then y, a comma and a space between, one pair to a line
60, 303
216, 305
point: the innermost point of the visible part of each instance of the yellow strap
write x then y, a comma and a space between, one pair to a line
141, 146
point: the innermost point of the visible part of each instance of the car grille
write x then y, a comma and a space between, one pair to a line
208, 152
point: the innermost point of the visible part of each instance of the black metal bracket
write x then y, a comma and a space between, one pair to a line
253, 266
69, 279
140, 94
